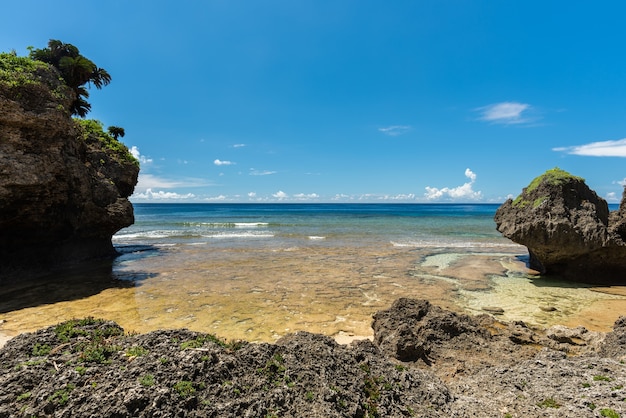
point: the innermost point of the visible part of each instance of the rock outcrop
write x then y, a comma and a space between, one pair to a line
63, 187
567, 229
474, 367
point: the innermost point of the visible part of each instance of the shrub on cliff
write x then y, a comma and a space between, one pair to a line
93, 130
31, 82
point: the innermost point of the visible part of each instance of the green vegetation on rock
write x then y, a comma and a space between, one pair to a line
93, 129
552, 177
23, 75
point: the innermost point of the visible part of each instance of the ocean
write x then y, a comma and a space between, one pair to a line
335, 225
260, 271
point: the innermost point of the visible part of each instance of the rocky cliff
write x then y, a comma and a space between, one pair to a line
567, 229
64, 183
424, 362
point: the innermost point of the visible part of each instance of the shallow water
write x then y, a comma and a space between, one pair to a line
326, 275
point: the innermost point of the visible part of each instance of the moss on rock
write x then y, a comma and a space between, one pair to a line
552, 177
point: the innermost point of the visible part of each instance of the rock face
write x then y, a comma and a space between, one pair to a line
63, 191
474, 367
567, 229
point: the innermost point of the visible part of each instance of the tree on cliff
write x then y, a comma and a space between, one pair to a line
76, 70
116, 132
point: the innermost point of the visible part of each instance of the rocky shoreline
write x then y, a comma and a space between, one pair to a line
424, 361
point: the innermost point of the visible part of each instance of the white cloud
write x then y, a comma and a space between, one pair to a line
615, 148
252, 195
141, 158
220, 162
507, 113
395, 130
341, 196
280, 195
219, 198
162, 195
254, 172
150, 181
239, 145
303, 196
611, 197
464, 192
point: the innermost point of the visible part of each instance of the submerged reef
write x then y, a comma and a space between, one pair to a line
568, 229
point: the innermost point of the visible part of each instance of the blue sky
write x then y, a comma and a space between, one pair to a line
350, 101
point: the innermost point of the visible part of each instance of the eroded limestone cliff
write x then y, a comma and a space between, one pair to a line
64, 183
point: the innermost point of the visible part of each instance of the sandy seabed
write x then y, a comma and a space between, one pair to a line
261, 294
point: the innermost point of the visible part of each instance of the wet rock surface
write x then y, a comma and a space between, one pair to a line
63, 194
567, 229
452, 365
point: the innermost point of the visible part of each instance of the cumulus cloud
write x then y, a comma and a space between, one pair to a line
280, 195
616, 148
395, 130
141, 158
507, 113
220, 162
463, 192
162, 195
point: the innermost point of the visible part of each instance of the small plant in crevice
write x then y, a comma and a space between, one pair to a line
275, 370
549, 403
24, 396
62, 396
41, 349
372, 388
184, 388
97, 352
147, 380
609, 413
136, 351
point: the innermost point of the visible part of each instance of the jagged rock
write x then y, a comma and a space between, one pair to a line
91, 368
614, 345
412, 330
63, 192
184, 373
567, 229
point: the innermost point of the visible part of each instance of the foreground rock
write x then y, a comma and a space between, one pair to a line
567, 229
63, 185
452, 365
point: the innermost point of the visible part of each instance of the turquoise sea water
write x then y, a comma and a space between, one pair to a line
279, 225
